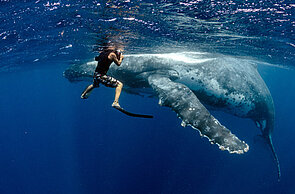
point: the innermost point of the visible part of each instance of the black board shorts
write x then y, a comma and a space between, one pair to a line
106, 80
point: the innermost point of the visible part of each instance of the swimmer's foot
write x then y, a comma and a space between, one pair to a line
85, 95
116, 105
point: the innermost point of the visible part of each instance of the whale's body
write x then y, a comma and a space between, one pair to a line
189, 83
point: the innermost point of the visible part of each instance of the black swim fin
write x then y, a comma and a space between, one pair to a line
132, 114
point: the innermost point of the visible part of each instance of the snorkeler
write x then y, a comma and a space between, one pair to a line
105, 59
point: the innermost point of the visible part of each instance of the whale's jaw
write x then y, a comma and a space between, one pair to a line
266, 125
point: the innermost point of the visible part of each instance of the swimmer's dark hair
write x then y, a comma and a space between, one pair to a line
117, 52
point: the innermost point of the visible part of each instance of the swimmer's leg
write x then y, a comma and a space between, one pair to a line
87, 92
117, 95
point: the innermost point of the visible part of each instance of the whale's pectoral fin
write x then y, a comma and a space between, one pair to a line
188, 107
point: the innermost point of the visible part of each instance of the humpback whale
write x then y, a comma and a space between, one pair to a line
191, 84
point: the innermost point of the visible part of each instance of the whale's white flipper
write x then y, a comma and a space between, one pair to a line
185, 103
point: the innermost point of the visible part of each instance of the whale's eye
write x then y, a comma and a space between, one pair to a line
192, 78
258, 124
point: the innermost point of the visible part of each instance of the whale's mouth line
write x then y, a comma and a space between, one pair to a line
185, 57
199, 57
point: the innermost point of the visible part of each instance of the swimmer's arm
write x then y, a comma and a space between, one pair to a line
113, 57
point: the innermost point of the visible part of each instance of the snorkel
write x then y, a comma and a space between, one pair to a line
118, 53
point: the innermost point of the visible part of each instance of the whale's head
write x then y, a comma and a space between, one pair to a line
234, 86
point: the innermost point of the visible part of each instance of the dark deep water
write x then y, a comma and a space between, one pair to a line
51, 141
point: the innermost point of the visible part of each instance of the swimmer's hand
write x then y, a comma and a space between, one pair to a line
114, 58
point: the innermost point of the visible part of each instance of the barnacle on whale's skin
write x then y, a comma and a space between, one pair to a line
241, 151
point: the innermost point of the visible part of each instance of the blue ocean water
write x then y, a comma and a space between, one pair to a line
51, 141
